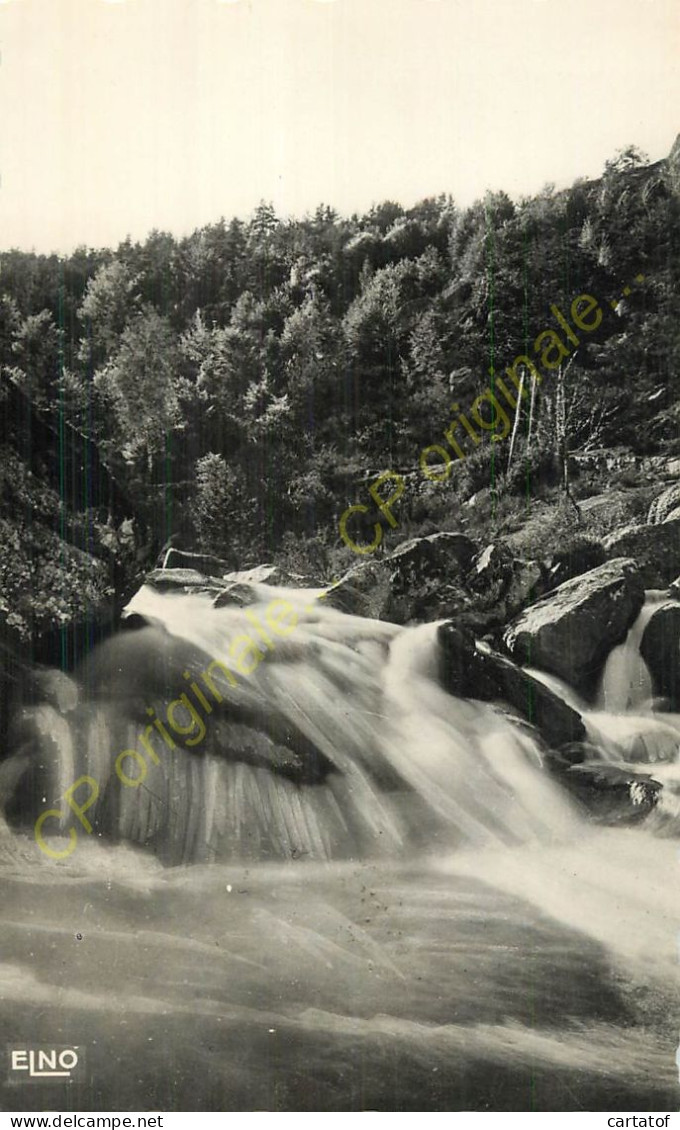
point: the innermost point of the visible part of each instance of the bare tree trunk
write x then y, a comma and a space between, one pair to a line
520, 393
561, 433
532, 406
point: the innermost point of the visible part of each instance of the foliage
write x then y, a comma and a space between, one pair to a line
257, 372
220, 509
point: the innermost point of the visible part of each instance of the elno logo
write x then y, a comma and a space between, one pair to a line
56, 1062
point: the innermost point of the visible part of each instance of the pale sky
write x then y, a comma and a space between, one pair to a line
118, 116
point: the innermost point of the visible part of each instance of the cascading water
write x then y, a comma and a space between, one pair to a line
384, 900
626, 683
623, 723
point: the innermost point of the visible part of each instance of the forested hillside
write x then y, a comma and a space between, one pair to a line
240, 384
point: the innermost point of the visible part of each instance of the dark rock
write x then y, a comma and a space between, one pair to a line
448, 544
491, 570
365, 590
575, 753
133, 621
613, 794
526, 584
656, 549
504, 584
660, 649
571, 630
422, 579
474, 670
439, 556
581, 558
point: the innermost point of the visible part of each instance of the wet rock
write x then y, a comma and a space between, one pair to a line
575, 753
571, 630
473, 670
655, 548
365, 590
269, 575
205, 563
660, 649
237, 588
240, 595
614, 794
183, 580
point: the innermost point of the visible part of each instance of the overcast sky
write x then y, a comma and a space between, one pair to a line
117, 116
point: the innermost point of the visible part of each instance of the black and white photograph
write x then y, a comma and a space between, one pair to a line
339, 557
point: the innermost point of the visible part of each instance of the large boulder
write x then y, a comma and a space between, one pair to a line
473, 670
504, 584
491, 570
422, 579
365, 590
580, 558
660, 649
604, 513
571, 630
655, 548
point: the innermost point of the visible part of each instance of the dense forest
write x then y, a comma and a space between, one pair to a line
240, 386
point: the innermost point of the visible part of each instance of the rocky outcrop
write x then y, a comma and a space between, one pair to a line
473, 670
236, 588
605, 513
655, 548
580, 558
571, 631
664, 505
660, 649
183, 580
491, 570
423, 579
72, 549
205, 563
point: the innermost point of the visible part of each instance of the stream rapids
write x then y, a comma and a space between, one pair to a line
330, 885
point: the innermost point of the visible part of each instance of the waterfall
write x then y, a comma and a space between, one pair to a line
626, 683
622, 723
379, 897
332, 740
